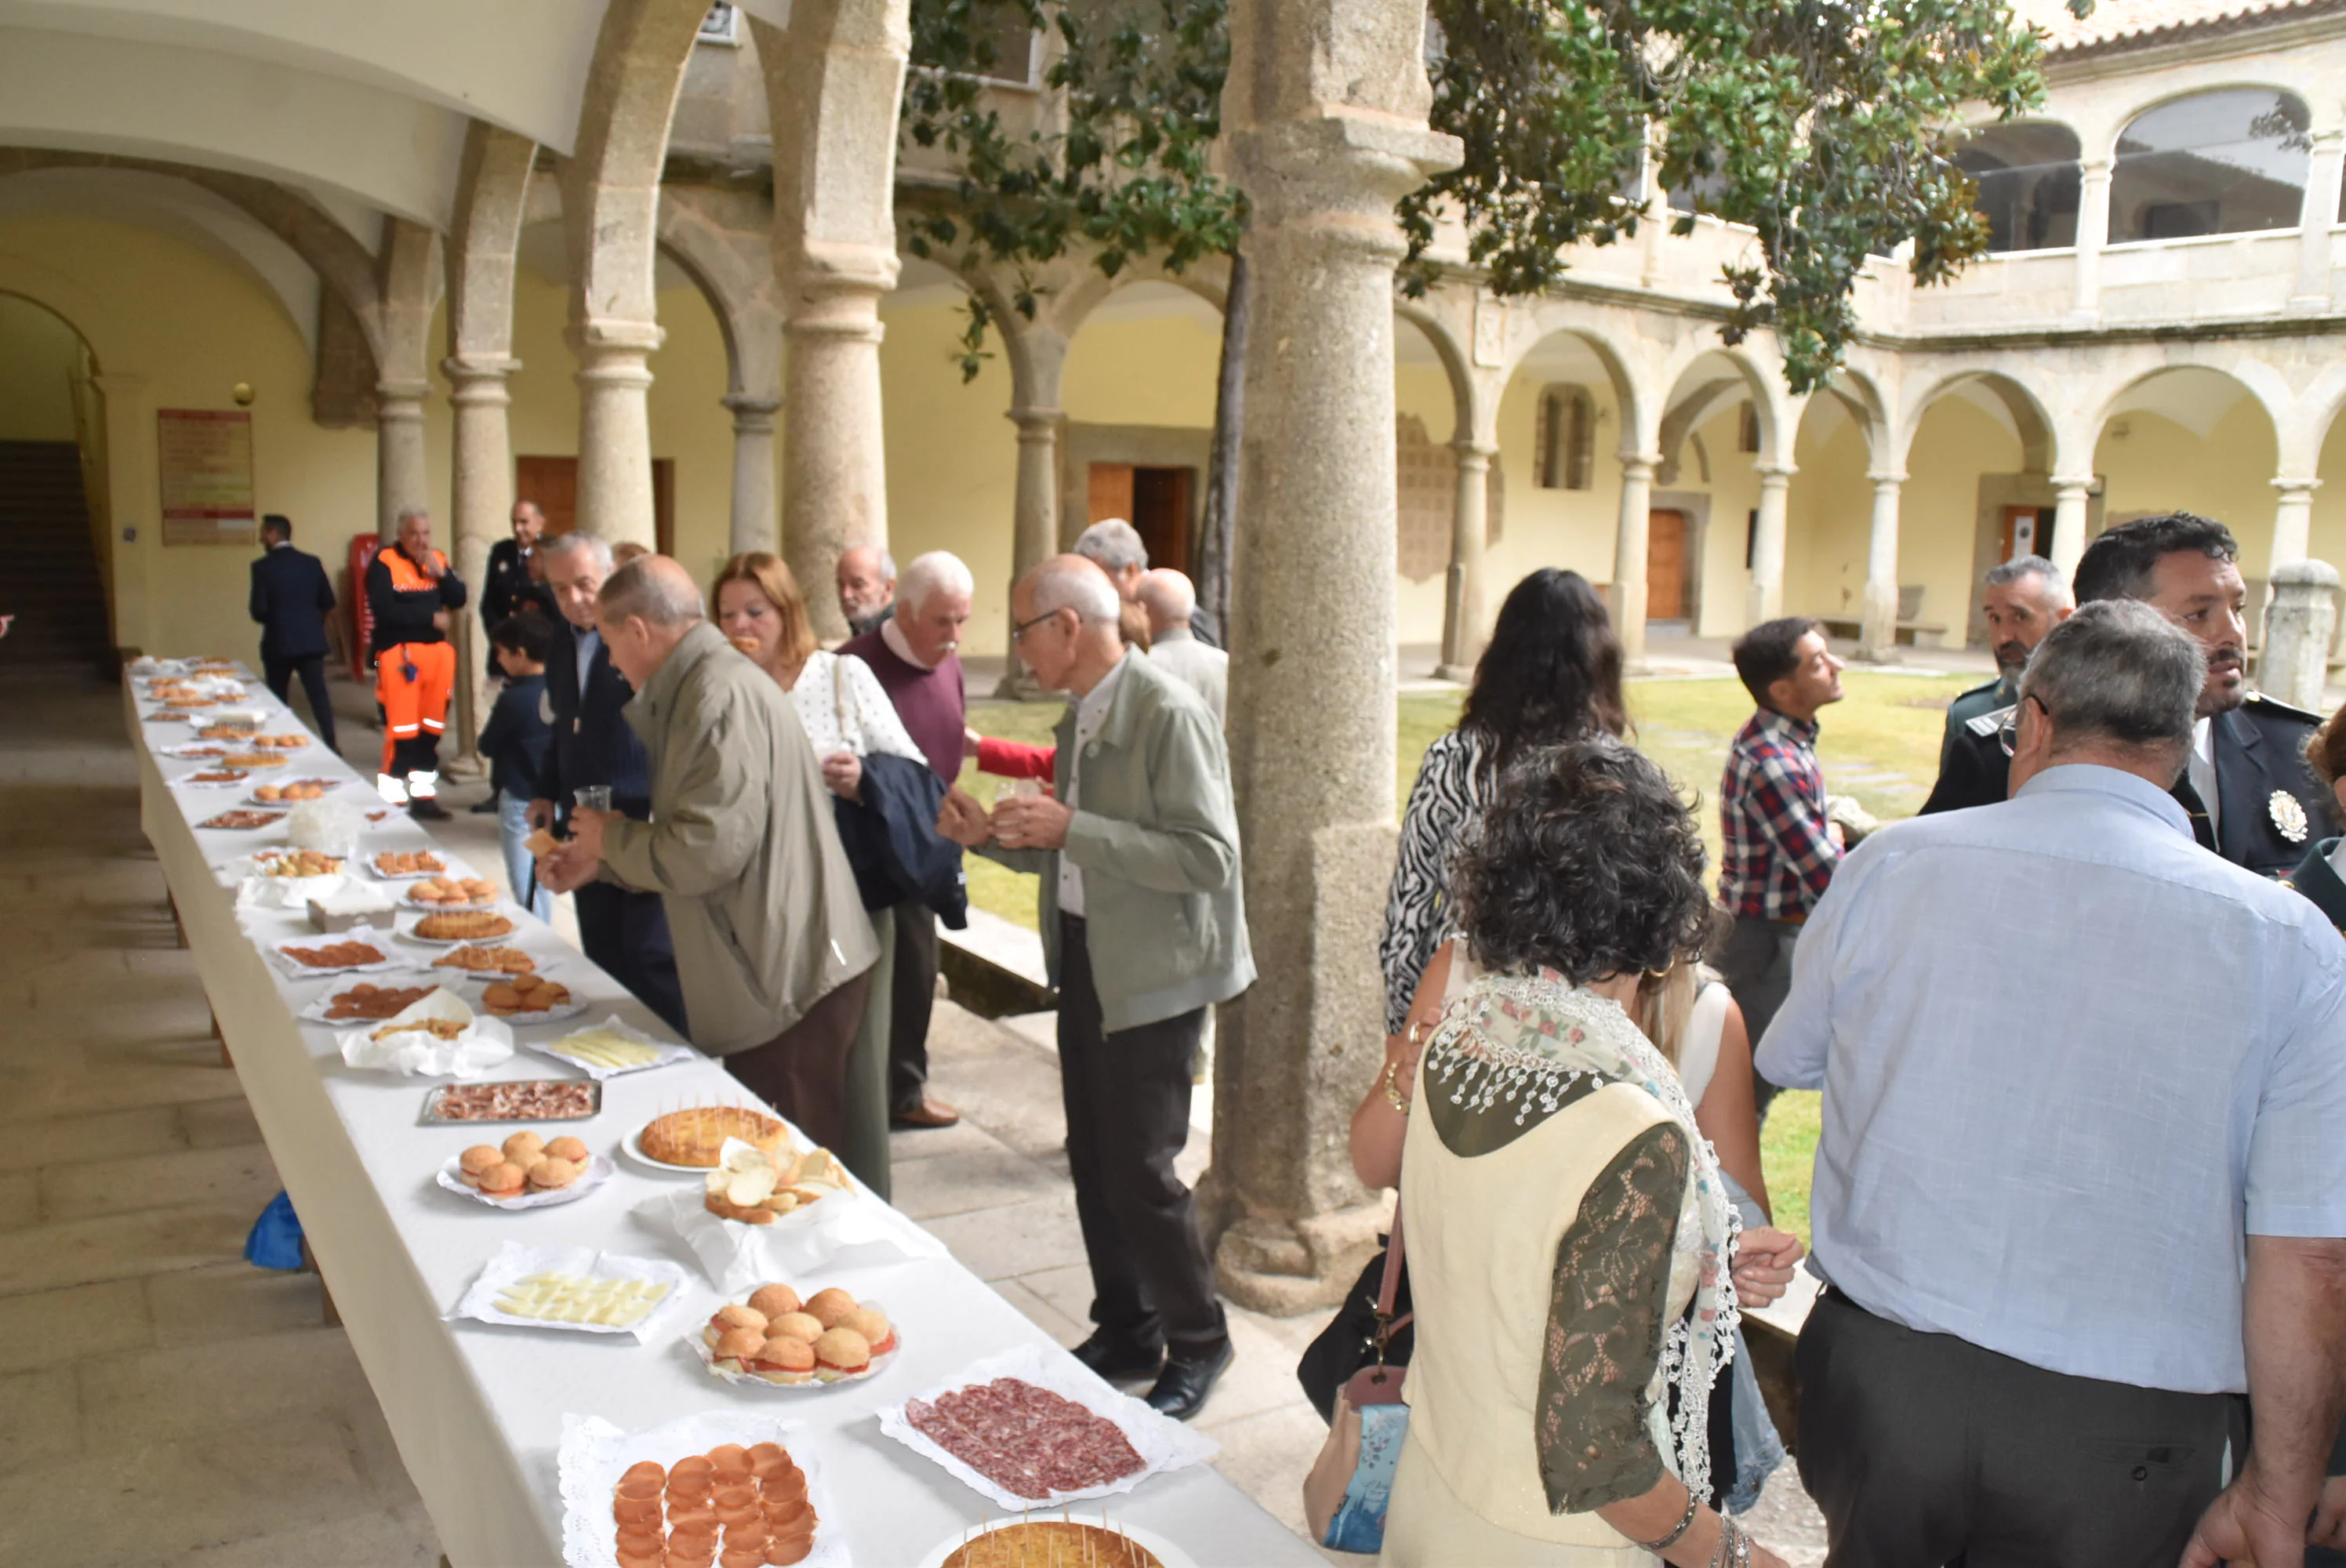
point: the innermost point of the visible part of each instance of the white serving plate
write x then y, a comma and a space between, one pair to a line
599, 1170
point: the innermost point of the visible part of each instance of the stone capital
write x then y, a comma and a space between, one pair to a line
2094, 169
1639, 464
599, 336
1474, 454
1774, 476
818, 267
2072, 488
2289, 488
752, 416
1338, 176
1037, 424
1886, 478
466, 370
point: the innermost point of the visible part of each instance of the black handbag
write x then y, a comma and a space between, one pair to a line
1350, 1340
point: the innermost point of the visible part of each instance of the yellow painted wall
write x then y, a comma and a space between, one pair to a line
39, 355
179, 328
1938, 507
953, 457
1573, 529
1156, 371
1829, 514
2158, 466
2329, 530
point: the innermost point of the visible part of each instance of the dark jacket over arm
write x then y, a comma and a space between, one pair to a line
406, 618
592, 743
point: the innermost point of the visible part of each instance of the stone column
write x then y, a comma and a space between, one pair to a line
401, 481
2316, 218
1324, 129
2295, 665
2070, 497
1035, 518
1877, 639
481, 500
1767, 596
1462, 621
835, 492
615, 433
1629, 542
2093, 233
2293, 520
754, 517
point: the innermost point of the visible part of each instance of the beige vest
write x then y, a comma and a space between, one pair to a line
1482, 1234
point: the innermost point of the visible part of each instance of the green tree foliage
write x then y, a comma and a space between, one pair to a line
1121, 167
1827, 126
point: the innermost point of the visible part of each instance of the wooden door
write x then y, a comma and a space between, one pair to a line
2027, 531
1666, 566
1160, 513
1110, 492
553, 484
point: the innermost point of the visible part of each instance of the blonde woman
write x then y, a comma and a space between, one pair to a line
756, 602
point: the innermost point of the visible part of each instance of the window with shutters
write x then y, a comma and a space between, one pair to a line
1566, 438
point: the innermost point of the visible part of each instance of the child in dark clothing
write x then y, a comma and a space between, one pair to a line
516, 741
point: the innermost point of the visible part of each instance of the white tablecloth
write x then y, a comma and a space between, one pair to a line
476, 1409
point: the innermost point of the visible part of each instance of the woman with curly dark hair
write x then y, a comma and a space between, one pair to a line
1552, 673
1571, 1237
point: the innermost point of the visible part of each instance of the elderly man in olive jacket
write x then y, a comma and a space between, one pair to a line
773, 946
1144, 928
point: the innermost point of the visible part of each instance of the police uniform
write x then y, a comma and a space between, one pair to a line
2270, 805
1985, 698
414, 668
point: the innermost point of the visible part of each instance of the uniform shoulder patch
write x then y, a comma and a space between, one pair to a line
1988, 723
2273, 708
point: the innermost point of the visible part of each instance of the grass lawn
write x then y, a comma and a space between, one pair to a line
1880, 745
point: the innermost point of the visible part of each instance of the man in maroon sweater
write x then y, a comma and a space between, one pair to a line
913, 653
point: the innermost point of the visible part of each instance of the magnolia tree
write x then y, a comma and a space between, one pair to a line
1828, 127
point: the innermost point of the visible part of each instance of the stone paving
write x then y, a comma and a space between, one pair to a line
169, 1403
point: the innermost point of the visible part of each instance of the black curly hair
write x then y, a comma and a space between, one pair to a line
1587, 862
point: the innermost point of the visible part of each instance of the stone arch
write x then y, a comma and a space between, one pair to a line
733, 270
2317, 410
2160, 96
1477, 405
2263, 383
2040, 448
2183, 188
1640, 412
67, 301
1749, 378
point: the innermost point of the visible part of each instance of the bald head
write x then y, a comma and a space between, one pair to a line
1066, 610
1170, 599
644, 610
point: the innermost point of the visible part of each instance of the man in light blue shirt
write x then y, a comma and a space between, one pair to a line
2056, 1207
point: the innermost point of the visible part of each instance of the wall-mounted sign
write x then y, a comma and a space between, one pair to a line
205, 459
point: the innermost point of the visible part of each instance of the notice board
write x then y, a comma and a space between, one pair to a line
205, 459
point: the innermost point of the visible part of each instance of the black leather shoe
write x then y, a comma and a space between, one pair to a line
1118, 1359
482, 808
1181, 1389
427, 810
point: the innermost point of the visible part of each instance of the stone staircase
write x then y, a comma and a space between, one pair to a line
48, 573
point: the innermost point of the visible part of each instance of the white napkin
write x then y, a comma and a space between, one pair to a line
486, 1042
736, 1257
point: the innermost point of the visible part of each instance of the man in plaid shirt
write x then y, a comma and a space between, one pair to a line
1781, 850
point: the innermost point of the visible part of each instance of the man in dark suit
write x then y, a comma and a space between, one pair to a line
625, 931
291, 598
2251, 796
511, 587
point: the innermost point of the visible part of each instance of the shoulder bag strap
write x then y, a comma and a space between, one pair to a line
1389, 1291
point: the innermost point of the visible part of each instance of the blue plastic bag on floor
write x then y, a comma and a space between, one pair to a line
275, 1241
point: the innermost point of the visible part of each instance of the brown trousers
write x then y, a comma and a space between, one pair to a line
803, 1071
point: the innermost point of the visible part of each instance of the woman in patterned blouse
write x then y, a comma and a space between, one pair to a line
1552, 673
1570, 1236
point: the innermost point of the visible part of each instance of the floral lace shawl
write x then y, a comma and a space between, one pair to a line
1526, 1045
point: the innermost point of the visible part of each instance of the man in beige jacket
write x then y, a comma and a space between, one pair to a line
773, 945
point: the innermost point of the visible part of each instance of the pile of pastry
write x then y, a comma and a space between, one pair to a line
370, 1003
751, 1504
463, 926
486, 961
526, 1163
409, 863
294, 789
453, 891
523, 994
299, 864
776, 1337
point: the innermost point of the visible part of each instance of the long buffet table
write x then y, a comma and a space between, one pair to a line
477, 1410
